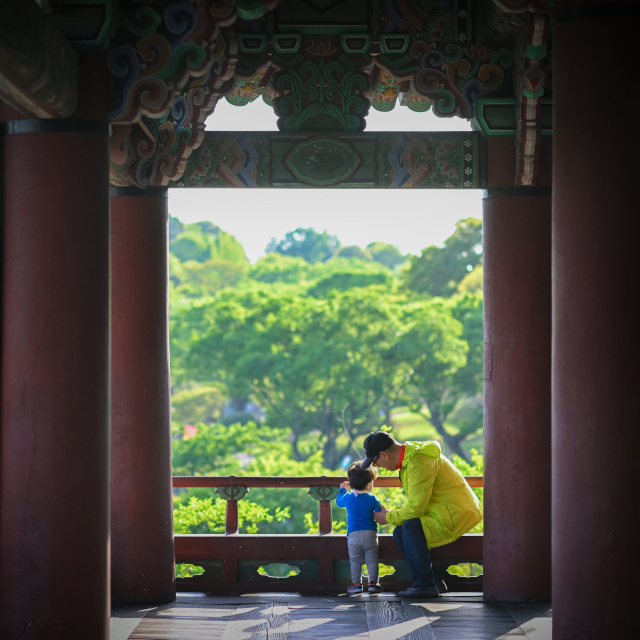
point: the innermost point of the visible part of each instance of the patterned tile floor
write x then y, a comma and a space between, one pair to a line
292, 616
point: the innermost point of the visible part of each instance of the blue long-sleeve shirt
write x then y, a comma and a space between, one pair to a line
360, 509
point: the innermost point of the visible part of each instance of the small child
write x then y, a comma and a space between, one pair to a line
362, 530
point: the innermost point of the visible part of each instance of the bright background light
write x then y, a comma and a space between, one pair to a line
410, 219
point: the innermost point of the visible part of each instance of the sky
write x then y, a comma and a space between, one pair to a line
411, 220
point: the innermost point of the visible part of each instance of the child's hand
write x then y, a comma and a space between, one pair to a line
344, 485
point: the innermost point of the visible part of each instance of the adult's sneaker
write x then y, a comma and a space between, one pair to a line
441, 586
424, 592
375, 587
355, 588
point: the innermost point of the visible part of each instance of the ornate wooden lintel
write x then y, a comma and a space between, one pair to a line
38, 67
441, 160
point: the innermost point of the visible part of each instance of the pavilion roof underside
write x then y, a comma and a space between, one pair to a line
322, 65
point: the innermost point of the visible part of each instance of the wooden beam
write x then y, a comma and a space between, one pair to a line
290, 481
38, 67
358, 160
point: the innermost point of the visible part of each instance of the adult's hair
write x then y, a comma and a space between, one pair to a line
360, 478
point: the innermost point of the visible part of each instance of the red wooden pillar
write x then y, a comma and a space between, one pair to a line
517, 418
142, 554
596, 321
54, 482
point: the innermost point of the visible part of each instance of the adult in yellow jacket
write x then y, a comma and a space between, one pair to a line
440, 505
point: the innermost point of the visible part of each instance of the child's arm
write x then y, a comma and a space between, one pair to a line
377, 506
341, 495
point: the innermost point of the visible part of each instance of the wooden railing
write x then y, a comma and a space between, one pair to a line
231, 561
239, 485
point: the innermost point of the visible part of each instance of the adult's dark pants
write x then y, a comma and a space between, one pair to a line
410, 538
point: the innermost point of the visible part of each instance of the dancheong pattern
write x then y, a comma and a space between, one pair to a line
350, 160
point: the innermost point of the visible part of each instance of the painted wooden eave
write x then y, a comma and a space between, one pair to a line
38, 67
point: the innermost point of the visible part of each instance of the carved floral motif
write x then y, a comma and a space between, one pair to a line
324, 90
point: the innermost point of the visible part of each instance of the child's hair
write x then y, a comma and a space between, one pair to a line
360, 478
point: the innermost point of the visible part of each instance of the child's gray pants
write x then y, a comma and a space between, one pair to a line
363, 548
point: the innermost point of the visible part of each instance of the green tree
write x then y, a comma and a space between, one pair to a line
433, 348
198, 403
438, 270
346, 280
275, 267
472, 282
203, 241
387, 254
307, 244
352, 251
175, 227
305, 360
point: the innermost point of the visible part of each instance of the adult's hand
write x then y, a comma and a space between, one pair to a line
381, 516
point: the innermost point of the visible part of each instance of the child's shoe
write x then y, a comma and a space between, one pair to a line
375, 587
355, 588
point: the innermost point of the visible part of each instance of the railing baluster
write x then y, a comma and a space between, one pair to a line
231, 518
325, 518
231, 493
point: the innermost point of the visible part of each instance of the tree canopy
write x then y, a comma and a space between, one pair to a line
326, 347
308, 244
438, 270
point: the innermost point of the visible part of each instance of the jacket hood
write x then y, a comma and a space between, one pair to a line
430, 448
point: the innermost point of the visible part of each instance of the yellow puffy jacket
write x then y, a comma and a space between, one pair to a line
437, 493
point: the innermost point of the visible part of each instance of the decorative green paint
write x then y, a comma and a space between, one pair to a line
538, 93
323, 161
322, 90
324, 493
536, 52
360, 160
85, 23
232, 493
497, 116
251, 9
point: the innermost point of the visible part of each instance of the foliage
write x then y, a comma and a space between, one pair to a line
439, 270
220, 450
313, 528
387, 254
305, 359
352, 251
251, 450
446, 374
204, 259
198, 403
345, 280
465, 569
308, 244
175, 227
188, 570
472, 282
208, 516
204, 241
275, 267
